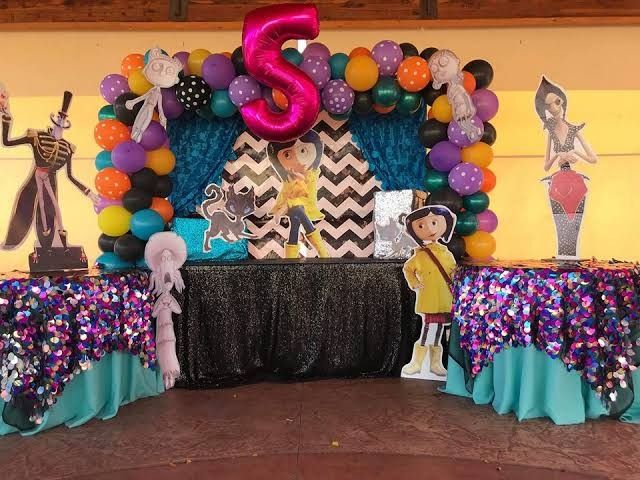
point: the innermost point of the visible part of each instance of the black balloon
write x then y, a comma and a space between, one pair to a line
164, 186
431, 132
363, 103
481, 71
123, 114
136, 199
490, 135
430, 94
106, 243
193, 93
238, 61
427, 52
446, 197
145, 179
409, 50
129, 247
457, 246
427, 161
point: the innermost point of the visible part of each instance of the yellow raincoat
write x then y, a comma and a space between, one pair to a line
435, 296
301, 193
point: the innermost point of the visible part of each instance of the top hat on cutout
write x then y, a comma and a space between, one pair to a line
61, 119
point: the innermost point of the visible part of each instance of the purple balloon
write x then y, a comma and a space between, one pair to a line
112, 86
104, 203
153, 137
218, 71
244, 89
486, 103
337, 97
388, 56
465, 178
318, 70
317, 49
487, 221
128, 157
458, 137
183, 57
444, 156
171, 107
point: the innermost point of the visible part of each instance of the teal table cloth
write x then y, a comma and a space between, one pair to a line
117, 379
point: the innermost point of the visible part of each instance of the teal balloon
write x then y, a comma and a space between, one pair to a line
221, 105
106, 113
466, 224
103, 160
146, 55
386, 92
341, 116
110, 261
142, 263
145, 223
338, 63
476, 203
206, 113
292, 55
435, 180
409, 103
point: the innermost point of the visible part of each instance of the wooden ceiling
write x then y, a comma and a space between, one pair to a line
365, 14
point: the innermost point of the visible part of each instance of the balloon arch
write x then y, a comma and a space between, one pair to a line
279, 93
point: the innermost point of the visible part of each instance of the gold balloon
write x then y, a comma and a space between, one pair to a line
138, 83
441, 109
479, 154
361, 73
196, 59
480, 245
114, 220
162, 161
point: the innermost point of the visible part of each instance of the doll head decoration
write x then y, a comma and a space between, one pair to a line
445, 70
550, 102
4, 99
162, 70
296, 157
434, 223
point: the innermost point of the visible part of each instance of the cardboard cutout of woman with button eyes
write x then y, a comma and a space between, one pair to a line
428, 273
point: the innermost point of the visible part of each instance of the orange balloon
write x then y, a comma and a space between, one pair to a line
163, 207
480, 245
359, 51
133, 61
361, 73
468, 82
155, 116
279, 99
489, 180
381, 109
111, 183
227, 54
109, 133
430, 114
414, 74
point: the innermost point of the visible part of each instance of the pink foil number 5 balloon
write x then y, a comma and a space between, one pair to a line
265, 30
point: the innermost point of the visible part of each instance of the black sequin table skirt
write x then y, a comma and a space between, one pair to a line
290, 320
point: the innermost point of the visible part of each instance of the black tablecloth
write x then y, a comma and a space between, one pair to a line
289, 320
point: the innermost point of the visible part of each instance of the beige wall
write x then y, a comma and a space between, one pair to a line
598, 65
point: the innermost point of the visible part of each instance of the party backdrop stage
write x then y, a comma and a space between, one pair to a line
319, 318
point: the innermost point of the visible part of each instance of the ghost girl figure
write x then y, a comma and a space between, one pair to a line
445, 69
297, 163
165, 253
162, 71
428, 272
565, 147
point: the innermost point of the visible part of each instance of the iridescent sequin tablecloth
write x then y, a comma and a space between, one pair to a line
52, 328
585, 314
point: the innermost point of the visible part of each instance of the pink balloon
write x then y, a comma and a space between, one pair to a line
265, 30
487, 221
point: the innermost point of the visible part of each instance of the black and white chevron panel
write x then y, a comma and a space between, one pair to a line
345, 194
